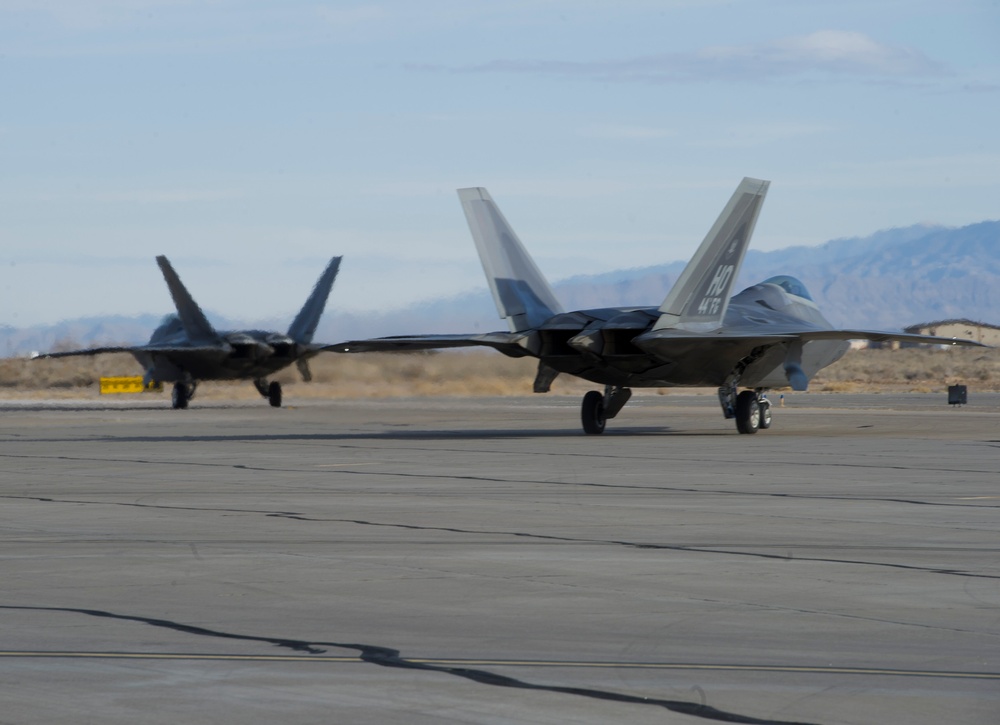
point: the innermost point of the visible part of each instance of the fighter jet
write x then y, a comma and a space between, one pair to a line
769, 335
186, 349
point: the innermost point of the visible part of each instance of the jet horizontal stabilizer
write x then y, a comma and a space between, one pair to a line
303, 365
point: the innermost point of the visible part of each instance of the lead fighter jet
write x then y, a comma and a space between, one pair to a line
186, 348
768, 335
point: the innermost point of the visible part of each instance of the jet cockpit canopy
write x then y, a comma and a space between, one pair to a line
791, 285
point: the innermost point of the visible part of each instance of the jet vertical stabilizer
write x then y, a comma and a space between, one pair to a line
521, 293
196, 325
699, 298
303, 327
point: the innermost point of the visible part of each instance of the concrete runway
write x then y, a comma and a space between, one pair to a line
482, 561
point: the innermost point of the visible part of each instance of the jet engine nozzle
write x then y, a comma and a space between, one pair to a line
283, 345
591, 341
248, 347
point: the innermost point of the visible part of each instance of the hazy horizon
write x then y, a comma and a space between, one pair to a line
252, 140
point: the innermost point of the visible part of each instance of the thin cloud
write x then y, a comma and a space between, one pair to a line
626, 132
825, 52
166, 196
96, 14
749, 135
351, 17
134, 196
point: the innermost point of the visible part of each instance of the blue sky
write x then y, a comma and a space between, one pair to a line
250, 141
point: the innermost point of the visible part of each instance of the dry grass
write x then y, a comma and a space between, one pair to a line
486, 373
465, 373
922, 370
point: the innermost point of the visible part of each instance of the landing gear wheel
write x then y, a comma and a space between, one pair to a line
747, 412
274, 394
765, 414
592, 413
180, 396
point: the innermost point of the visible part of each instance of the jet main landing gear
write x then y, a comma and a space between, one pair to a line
597, 408
592, 413
270, 391
753, 411
182, 394
751, 408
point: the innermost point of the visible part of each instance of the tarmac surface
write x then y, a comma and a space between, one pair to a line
483, 561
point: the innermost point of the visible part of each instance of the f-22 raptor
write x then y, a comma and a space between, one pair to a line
767, 336
186, 349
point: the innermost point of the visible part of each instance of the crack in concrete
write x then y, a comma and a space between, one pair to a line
637, 545
523, 534
493, 479
392, 658
164, 507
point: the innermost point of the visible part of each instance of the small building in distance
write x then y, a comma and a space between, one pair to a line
964, 329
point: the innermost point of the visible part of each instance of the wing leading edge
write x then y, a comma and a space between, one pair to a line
508, 343
667, 335
152, 348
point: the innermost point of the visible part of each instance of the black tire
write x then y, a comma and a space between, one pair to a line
274, 394
592, 413
179, 397
765, 415
747, 412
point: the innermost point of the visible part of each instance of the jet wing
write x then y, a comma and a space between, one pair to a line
155, 349
712, 355
658, 340
88, 351
883, 336
505, 342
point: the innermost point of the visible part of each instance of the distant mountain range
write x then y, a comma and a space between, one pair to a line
888, 280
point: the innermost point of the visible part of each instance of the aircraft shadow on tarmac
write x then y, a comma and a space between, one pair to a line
396, 435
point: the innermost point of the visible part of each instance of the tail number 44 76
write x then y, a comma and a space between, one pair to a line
712, 300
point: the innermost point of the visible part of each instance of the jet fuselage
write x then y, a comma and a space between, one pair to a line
617, 346
241, 354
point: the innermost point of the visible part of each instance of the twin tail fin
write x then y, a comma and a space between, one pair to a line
521, 293
699, 298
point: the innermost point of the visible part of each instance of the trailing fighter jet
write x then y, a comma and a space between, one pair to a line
769, 335
186, 349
